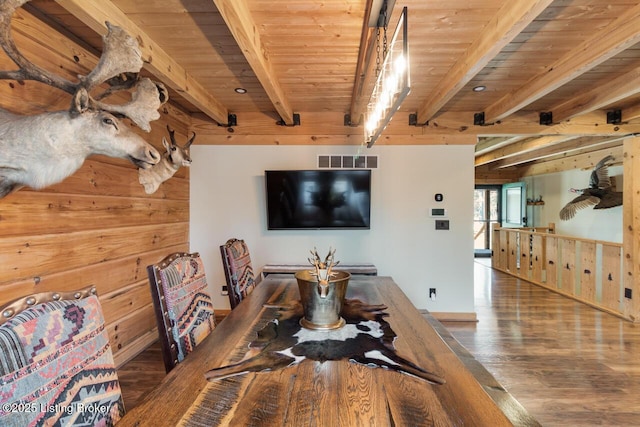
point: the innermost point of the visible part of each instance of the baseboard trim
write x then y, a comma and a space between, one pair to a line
135, 348
452, 317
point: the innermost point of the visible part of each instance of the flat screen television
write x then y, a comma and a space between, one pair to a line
318, 199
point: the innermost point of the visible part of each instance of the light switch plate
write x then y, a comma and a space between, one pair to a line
438, 212
442, 224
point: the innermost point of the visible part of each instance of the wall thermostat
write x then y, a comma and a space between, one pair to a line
439, 197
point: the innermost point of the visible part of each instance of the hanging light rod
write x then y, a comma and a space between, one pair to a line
377, 17
392, 85
366, 67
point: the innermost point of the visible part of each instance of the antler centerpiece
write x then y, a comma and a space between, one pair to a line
323, 269
322, 292
44, 149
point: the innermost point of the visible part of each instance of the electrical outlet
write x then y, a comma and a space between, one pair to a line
432, 293
225, 291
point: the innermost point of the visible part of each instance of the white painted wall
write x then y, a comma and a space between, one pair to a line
228, 200
601, 224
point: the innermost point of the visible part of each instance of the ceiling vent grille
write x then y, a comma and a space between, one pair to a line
347, 162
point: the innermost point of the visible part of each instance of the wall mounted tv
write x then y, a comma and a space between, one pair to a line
318, 199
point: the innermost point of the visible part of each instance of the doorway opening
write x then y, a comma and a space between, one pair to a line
486, 212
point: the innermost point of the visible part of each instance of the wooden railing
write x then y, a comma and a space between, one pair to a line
589, 271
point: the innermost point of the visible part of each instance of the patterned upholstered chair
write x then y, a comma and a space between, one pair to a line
56, 365
183, 305
237, 270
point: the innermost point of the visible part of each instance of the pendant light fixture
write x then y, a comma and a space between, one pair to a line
393, 81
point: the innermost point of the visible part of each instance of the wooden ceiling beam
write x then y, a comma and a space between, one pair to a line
583, 160
602, 95
566, 148
619, 35
364, 67
237, 16
449, 125
493, 143
511, 19
522, 147
94, 14
525, 123
631, 113
486, 176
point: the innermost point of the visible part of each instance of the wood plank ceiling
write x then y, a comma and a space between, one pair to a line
578, 59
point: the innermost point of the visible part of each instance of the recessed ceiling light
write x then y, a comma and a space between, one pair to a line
479, 88
240, 90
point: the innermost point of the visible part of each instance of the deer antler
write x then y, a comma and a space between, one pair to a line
121, 54
144, 104
328, 260
28, 70
323, 269
189, 142
119, 64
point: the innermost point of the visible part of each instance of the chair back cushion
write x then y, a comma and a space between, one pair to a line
184, 307
56, 364
238, 270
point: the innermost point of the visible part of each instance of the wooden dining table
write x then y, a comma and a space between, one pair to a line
330, 392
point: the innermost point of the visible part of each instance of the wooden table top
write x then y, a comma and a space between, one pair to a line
329, 393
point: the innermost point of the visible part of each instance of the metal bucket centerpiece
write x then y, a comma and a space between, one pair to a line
322, 293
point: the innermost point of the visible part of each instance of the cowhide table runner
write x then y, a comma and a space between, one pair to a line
367, 338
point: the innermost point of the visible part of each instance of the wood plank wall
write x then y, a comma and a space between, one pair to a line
98, 226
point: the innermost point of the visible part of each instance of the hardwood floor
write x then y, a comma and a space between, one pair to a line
141, 374
567, 363
145, 371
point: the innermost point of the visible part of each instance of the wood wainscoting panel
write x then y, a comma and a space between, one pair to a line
504, 251
498, 250
513, 250
611, 279
551, 253
538, 258
98, 226
568, 270
588, 271
525, 248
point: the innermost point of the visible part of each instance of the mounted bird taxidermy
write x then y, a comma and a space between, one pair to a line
599, 194
44, 149
172, 160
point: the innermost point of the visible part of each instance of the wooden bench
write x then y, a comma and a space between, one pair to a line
360, 268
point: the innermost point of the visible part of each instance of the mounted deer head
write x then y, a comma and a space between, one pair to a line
44, 149
175, 157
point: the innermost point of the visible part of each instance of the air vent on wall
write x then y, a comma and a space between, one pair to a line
347, 162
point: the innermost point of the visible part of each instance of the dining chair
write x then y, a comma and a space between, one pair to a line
238, 270
182, 303
56, 364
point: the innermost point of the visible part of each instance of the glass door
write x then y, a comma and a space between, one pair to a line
514, 205
486, 208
